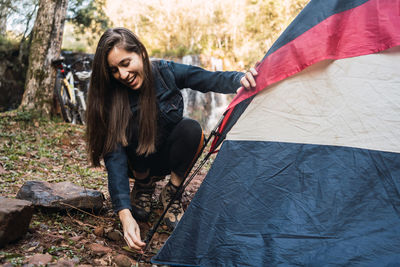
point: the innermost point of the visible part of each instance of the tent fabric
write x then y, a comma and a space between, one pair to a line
309, 175
367, 27
323, 30
292, 205
349, 102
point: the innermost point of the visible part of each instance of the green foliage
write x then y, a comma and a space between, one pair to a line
7, 44
177, 52
14, 258
25, 116
237, 30
76, 47
240, 30
88, 16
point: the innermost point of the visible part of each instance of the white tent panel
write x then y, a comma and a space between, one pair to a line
353, 102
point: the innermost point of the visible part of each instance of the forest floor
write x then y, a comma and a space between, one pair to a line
33, 148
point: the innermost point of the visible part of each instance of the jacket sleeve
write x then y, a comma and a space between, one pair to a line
118, 181
196, 78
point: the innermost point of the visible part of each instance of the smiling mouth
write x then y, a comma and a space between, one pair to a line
132, 80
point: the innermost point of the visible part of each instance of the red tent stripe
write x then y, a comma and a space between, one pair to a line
366, 29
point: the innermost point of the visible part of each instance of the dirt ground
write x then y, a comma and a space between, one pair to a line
70, 234
37, 149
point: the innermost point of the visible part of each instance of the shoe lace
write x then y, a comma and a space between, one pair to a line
176, 207
144, 199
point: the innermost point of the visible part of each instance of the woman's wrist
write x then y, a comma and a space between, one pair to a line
124, 214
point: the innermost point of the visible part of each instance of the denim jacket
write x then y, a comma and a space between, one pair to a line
170, 77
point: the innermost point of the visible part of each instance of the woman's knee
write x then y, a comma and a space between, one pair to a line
189, 130
185, 138
185, 143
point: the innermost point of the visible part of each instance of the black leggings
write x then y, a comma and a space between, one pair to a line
176, 154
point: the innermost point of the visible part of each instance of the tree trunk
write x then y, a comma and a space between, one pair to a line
46, 46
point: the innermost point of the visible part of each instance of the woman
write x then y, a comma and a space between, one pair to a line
135, 124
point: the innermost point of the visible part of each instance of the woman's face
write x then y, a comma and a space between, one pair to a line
126, 67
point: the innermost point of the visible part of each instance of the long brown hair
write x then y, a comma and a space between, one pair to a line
108, 109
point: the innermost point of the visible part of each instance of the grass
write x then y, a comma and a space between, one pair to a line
34, 148
39, 149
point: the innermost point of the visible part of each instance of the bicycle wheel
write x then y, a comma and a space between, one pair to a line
64, 100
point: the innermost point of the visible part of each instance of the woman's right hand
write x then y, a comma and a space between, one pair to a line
131, 230
248, 80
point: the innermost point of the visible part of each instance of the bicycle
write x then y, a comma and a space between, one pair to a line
71, 88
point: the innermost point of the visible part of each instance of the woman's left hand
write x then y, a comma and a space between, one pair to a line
248, 81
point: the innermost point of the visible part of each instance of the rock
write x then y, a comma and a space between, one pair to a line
99, 249
40, 259
64, 195
15, 217
123, 261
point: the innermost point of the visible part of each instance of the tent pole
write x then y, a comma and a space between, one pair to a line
181, 187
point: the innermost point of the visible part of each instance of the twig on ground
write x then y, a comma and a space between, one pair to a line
88, 213
79, 222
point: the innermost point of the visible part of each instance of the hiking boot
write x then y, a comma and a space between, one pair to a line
141, 196
175, 211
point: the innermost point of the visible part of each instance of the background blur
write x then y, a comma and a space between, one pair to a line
239, 31
217, 35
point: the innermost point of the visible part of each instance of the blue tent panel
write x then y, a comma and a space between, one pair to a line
342, 210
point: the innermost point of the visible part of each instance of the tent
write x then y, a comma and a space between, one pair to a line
309, 172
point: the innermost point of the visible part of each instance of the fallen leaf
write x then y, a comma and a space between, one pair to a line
99, 231
65, 142
123, 261
99, 249
30, 249
114, 235
43, 159
129, 249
